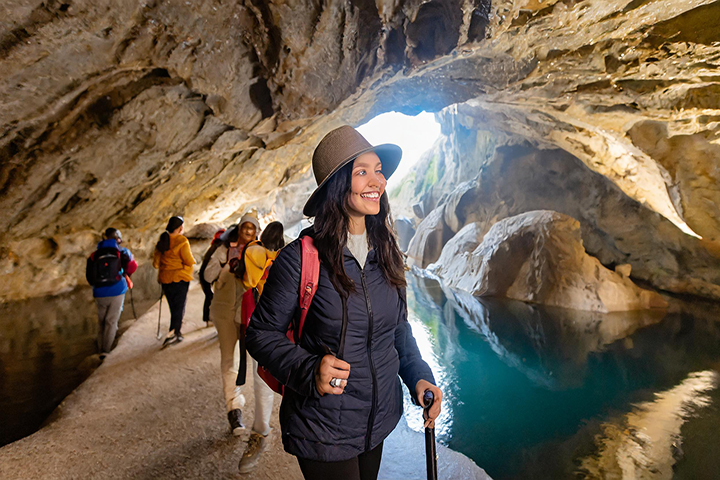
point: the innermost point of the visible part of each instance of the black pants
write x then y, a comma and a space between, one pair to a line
207, 289
176, 294
363, 467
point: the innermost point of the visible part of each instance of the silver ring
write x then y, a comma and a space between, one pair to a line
335, 382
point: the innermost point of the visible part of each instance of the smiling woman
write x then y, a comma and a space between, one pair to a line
367, 186
357, 343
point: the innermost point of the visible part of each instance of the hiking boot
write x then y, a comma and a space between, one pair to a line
170, 339
256, 444
235, 419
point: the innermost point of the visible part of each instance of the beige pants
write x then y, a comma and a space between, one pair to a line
229, 361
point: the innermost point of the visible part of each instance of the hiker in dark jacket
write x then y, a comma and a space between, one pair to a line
343, 396
110, 294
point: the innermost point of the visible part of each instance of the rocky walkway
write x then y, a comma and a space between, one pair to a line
147, 413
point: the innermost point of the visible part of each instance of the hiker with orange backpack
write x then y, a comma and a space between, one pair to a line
342, 395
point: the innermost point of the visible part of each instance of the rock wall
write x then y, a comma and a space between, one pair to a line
615, 228
123, 113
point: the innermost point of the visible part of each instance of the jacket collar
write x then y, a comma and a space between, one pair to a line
371, 258
110, 242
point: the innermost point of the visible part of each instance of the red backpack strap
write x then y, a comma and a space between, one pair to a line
309, 276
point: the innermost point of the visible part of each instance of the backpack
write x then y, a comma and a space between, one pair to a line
214, 244
309, 274
104, 267
239, 271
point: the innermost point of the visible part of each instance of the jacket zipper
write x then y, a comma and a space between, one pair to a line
371, 418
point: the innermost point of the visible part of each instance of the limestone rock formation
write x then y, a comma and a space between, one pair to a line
615, 229
405, 230
538, 257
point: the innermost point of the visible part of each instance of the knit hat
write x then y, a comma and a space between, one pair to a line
340, 147
248, 217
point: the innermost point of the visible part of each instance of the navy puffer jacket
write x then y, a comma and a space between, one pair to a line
378, 346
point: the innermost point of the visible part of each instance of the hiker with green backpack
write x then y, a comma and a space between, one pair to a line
335, 341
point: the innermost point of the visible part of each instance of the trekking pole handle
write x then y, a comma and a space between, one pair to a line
428, 400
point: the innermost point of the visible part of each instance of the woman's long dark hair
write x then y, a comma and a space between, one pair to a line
331, 230
273, 237
163, 245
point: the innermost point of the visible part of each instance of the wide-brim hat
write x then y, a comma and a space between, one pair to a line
340, 147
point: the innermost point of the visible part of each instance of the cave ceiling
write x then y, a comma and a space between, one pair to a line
126, 112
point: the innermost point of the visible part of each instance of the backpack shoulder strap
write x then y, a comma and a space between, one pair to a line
309, 275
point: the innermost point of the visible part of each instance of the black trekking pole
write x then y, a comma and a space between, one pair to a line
132, 302
430, 451
159, 313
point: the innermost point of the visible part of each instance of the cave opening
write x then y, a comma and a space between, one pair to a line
414, 134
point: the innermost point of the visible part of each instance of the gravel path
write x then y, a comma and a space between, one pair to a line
147, 413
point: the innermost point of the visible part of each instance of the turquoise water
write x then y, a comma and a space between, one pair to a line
551, 393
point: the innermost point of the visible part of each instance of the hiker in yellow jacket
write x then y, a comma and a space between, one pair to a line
258, 259
173, 260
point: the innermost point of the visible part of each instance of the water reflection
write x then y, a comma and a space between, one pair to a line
529, 388
43, 343
645, 442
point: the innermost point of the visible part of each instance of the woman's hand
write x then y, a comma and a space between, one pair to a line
434, 411
331, 367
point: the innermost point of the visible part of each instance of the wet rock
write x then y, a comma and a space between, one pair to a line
405, 231
431, 236
418, 210
538, 257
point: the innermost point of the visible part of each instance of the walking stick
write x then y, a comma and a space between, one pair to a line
132, 302
159, 336
430, 451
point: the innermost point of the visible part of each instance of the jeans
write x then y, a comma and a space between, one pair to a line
176, 294
363, 467
109, 310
